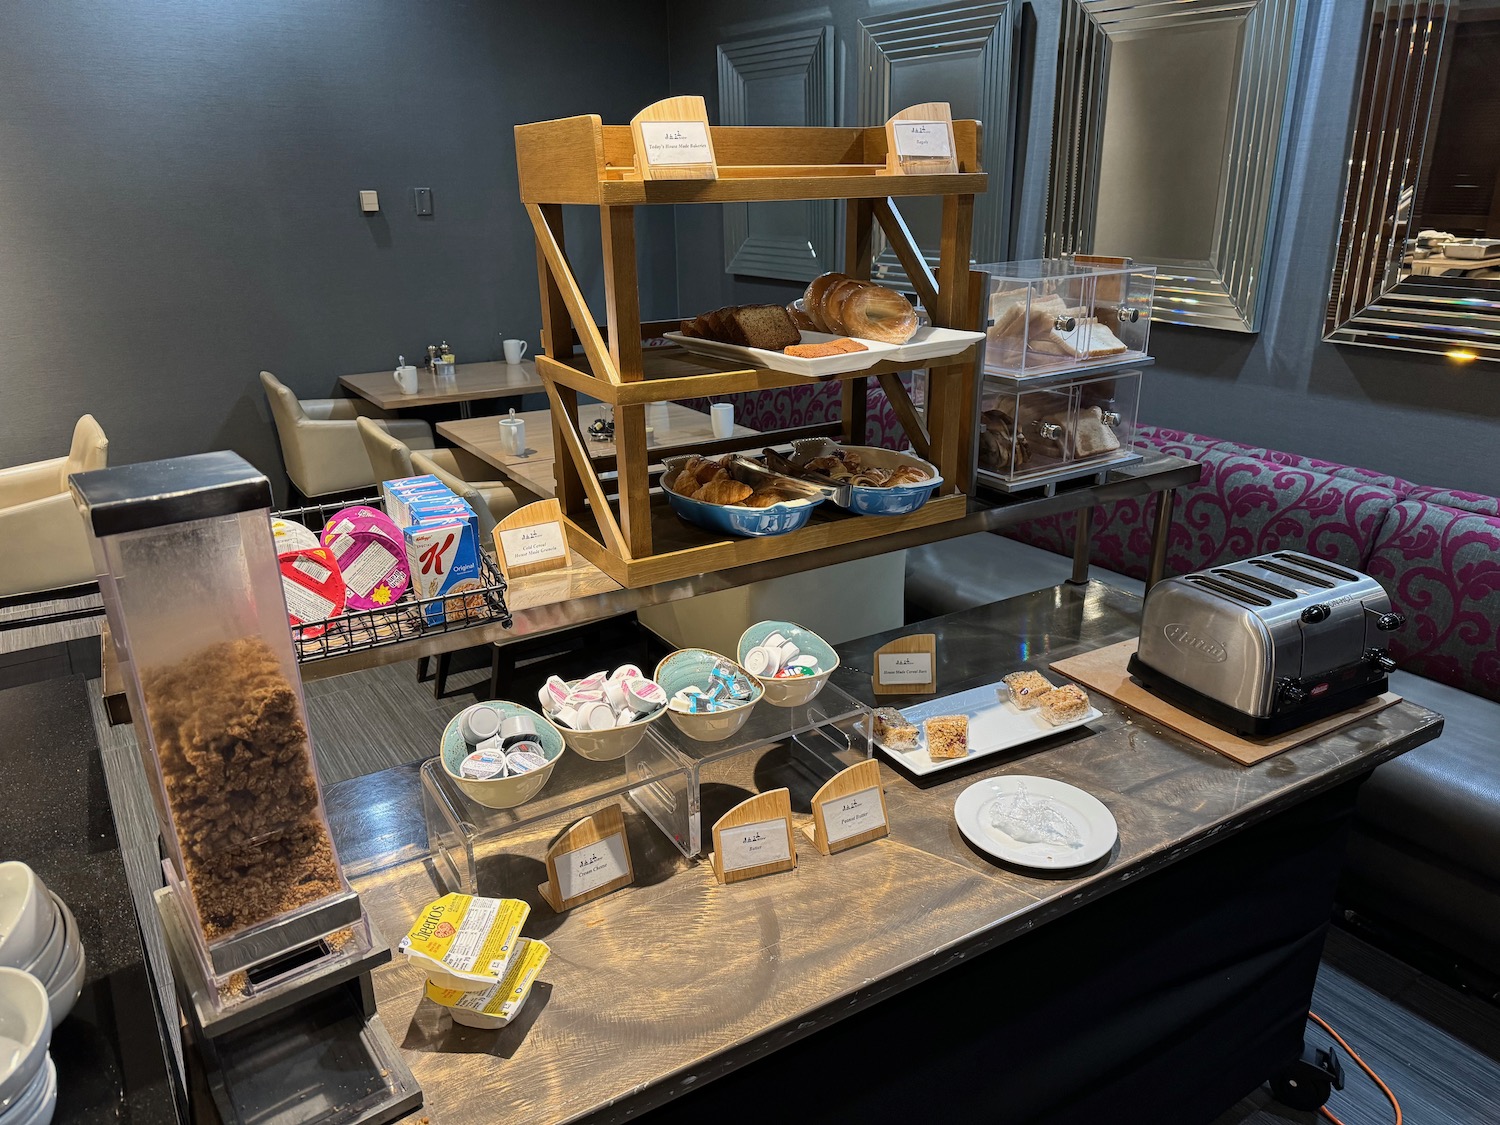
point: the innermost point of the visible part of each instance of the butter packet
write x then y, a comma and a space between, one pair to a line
463, 942
498, 1005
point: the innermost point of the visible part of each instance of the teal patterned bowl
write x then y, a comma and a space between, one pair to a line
793, 691
692, 667
502, 792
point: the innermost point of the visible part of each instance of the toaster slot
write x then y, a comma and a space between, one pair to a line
1259, 584
1311, 579
1224, 590
1307, 562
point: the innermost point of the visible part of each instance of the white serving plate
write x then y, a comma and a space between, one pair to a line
994, 725
935, 343
795, 365
1096, 824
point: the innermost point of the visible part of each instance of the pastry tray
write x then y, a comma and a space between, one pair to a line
994, 726
927, 344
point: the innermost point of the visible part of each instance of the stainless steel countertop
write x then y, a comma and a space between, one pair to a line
1155, 472
675, 980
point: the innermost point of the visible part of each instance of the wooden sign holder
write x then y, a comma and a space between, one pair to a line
533, 515
775, 805
940, 112
857, 778
917, 642
592, 829
687, 108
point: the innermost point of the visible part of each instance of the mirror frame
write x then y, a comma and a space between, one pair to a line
807, 55
983, 36
1367, 304
1227, 291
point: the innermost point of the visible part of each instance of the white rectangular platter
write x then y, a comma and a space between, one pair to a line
994, 725
926, 344
796, 365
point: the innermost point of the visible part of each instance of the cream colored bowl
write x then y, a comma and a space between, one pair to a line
608, 745
793, 691
25, 1031
502, 792
26, 914
691, 667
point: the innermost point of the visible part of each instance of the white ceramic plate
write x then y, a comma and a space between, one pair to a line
934, 343
796, 365
994, 725
1095, 823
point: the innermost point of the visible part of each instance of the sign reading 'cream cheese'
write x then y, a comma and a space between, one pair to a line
591, 866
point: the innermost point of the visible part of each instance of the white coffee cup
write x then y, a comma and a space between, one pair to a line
513, 436
722, 414
406, 379
515, 350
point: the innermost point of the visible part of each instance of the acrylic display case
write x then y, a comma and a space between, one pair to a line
1053, 315
188, 571
1069, 427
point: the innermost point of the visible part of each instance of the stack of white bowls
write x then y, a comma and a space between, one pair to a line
41, 974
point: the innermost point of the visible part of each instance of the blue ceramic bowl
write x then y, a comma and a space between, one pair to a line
692, 667
502, 792
794, 690
897, 501
778, 519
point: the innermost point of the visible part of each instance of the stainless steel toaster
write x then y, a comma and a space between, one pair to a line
1264, 645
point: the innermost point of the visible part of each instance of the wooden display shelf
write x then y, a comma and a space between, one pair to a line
632, 536
582, 160
673, 374
680, 549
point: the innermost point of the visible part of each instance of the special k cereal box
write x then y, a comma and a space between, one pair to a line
444, 562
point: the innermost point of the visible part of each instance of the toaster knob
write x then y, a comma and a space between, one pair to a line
1387, 622
1382, 660
1315, 613
1290, 691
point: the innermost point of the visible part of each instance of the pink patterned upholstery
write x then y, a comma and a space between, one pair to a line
1441, 567
1437, 551
1454, 498
810, 403
1241, 506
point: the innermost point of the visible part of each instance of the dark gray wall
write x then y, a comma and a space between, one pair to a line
1426, 419
179, 199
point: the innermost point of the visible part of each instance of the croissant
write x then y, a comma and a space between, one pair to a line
907, 474
685, 484
766, 497
725, 491
706, 471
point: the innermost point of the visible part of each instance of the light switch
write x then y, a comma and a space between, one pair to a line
369, 201
422, 198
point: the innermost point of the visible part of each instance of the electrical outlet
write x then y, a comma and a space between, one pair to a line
422, 197
369, 201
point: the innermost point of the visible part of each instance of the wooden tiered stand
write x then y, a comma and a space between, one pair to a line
577, 160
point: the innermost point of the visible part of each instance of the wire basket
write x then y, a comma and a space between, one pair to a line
402, 620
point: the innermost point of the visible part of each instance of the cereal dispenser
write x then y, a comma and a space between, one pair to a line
188, 571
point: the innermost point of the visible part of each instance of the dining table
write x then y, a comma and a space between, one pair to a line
470, 382
668, 425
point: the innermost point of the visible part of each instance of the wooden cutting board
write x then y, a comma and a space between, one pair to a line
1104, 670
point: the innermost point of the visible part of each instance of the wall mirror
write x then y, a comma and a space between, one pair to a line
962, 54
1418, 265
782, 79
1168, 139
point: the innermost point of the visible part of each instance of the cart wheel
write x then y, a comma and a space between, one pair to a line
1310, 1081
